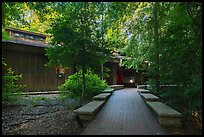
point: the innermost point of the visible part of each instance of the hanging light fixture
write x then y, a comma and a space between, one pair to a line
60, 71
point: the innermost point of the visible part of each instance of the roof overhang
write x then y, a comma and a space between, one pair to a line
27, 32
28, 43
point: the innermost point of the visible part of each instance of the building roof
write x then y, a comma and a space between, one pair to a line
27, 32
27, 43
24, 42
115, 55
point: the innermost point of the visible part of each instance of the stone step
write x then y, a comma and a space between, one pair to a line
143, 91
149, 97
110, 90
141, 86
102, 96
88, 111
116, 87
166, 116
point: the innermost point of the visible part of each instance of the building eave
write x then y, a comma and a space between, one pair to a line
27, 32
27, 43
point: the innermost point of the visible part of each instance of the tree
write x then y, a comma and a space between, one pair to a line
172, 48
10, 12
32, 16
10, 89
76, 41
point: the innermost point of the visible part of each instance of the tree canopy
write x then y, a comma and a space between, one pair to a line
76, 39
164, 40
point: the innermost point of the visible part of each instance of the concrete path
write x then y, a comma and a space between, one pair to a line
125, 113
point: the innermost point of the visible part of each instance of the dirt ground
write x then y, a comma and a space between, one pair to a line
40, 115
50, 115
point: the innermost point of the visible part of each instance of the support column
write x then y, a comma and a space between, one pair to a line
142, 79
114, 73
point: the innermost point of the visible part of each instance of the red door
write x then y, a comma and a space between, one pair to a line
119, 78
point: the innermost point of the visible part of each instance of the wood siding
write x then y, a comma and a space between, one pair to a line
29, 61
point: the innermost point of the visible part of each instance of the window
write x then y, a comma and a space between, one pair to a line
17, 34
31, 37
26, 36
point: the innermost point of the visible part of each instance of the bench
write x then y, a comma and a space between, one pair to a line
110, 90
116, 87
143, 91
165, 115
102, 96
88, 111
149, 97
141, 86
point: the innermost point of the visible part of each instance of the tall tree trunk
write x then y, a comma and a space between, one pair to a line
84, 84
83, 25
102, 46
156, 38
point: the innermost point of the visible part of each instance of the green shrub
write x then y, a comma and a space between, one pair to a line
185, 99
10, 90
193, 94
106, 72
5, 35
73, 85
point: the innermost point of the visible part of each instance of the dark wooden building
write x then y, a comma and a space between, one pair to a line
122, 75
25, 54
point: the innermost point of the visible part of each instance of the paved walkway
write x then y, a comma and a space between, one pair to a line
125, 113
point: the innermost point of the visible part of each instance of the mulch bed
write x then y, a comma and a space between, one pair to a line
37, 115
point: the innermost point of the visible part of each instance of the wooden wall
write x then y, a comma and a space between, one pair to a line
29, 61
